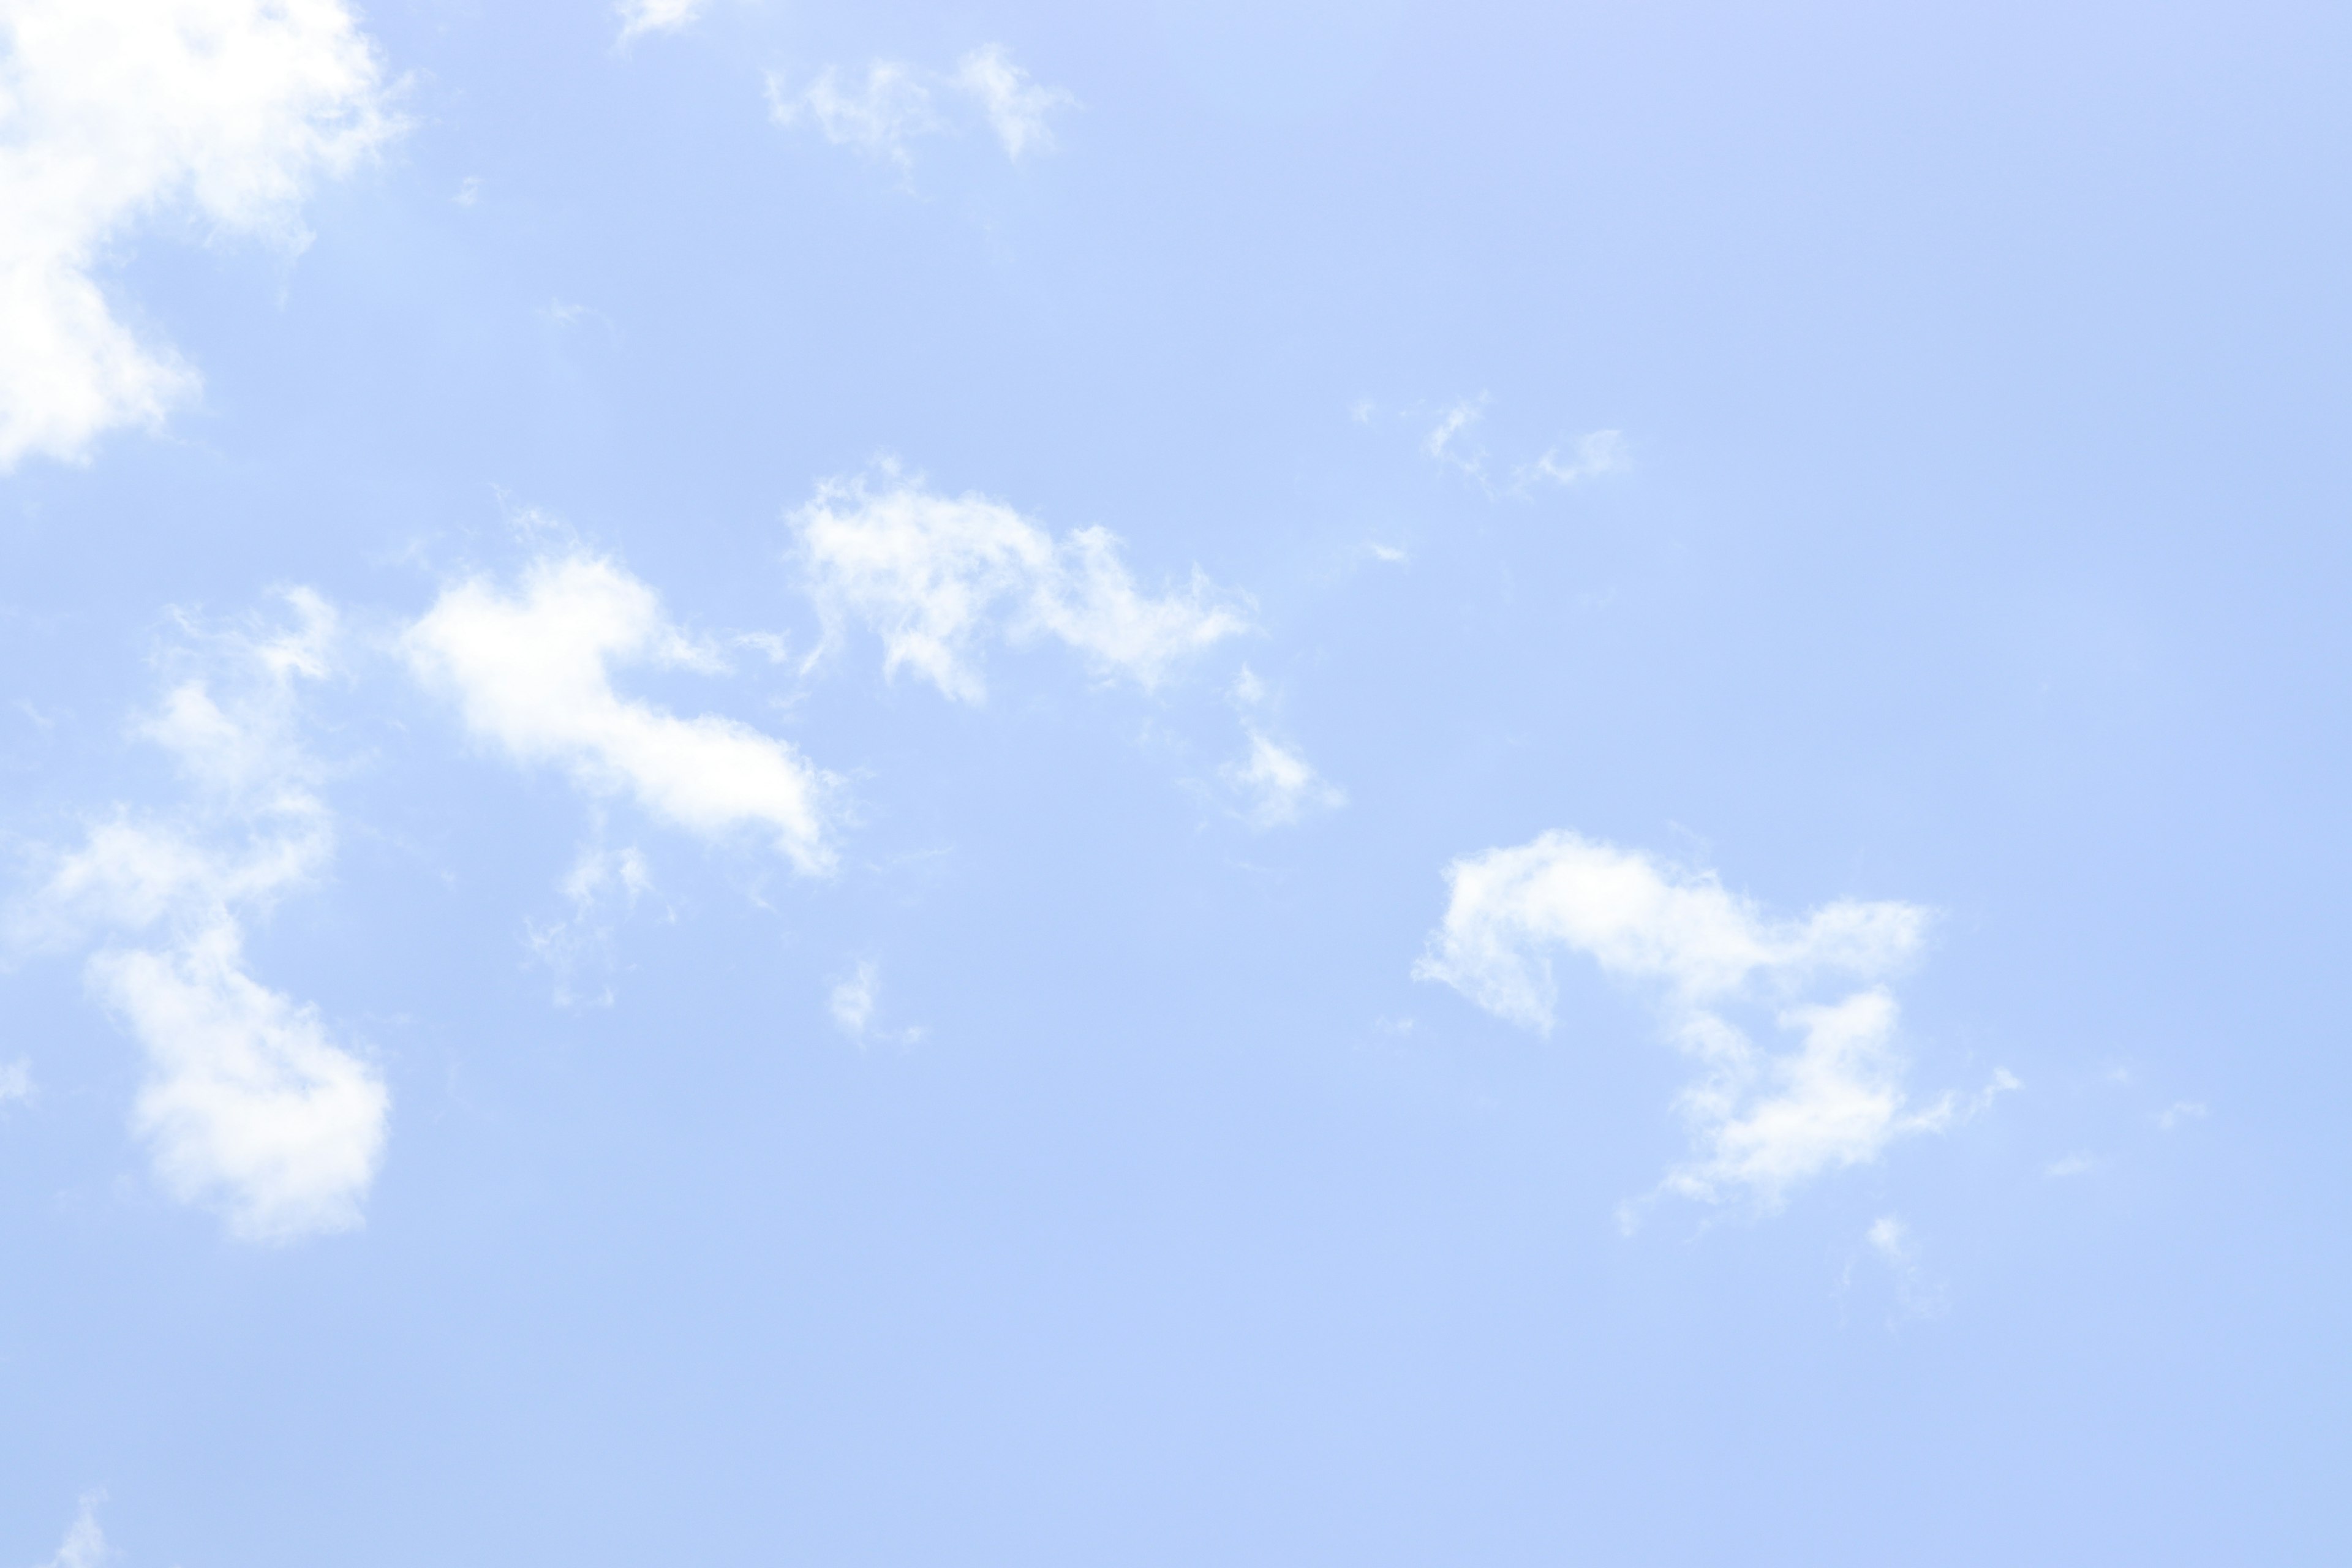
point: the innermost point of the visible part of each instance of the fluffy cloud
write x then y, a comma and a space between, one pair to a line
226, 110
935, 575
1762, 1122
896, 103
246, 1105
533, 672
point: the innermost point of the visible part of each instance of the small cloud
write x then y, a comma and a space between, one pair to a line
16, 1081
600, 888
897, 104
1896, 1246
853, 1003
2179, 1112
2074, 1165
1363, 410
1387, 553
1602, 452
1446, 441
1280, 784
639, 16
85, 1544
469, 190
1451, 441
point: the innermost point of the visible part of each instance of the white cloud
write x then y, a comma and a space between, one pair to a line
227, 110
247, 1106
2071, 1165
2179, 1112
603, 886
533, 672
1762, 1123
16, 1081
852, 999
1016, 106
935, 575
1446, 441
85, 1544
1892, 1240
896, 103
655, 15
1279, 785
1591, 455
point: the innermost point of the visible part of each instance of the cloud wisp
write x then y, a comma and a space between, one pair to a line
226, 111
85, 1544
532, 671
1277, 786
641, 16
1762, 1122
1452, 441
937, 575
897, 104
247, 1104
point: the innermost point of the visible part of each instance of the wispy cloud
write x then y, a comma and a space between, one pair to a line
1278, 784
1762, 1122
2074, 1165
1891, 1241
226, 110
936, 575
854, 1001
85, 1544
641, 16
248, 1105
532, 670
2179, 1112
1452, 440
603, 886
895, 104
16, 1081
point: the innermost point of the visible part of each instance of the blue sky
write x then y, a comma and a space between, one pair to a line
1212, 784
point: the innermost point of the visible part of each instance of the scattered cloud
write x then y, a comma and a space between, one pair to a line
934, 575
1762, 1122
532, 671
638, 16
1278, 784
16, 1081
2074, 1165
85, 1544
1452, 440
225, 111
603, 886
469, 190
896, 104
2179, 1112
248, 1106
1891, 1241
853, 1002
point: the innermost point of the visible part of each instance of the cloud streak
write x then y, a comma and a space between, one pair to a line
896, 104
228, 110
1762, 1122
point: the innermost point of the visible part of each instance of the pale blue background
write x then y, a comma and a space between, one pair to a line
1985, 374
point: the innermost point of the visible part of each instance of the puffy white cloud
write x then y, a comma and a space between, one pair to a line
533, 672
247, 1106
110, 112
935, 575
655, 15
896, 103
1762, 1123
85, 1544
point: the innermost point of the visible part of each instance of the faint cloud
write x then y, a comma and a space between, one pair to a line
853, 1002
640, 16
16, 1081
2074, 1165
2179, 1112
532, 670
229, 112
936, 574
469, 190
247, 1106
896, 104
1589, 457
600, 890
85, 1544
1891, 1240
1387, 553
1452, 440
1762, 1122
1279, 785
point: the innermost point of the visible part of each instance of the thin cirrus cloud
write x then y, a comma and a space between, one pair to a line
85, 1544
1277, 786
1762, 1122
227, 110
532, 670
935, 577
639, 16
897, 104
248, 1105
